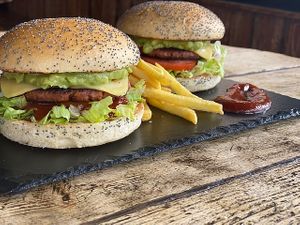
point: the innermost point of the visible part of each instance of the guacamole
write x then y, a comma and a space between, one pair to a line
65, 80
150, 44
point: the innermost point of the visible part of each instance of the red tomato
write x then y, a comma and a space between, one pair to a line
176, 65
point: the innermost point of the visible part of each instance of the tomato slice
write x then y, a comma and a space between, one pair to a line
176, 65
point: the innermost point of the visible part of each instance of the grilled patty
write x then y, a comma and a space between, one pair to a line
65, 95
172, 53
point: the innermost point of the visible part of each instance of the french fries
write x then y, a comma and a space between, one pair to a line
183, 112
184, 101
163, 91
147, 112
160, 74
141, 75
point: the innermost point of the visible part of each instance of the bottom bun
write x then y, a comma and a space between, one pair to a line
72, 135
200, 83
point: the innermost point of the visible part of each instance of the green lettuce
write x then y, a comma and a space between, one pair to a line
65, 80
99, 111
126, 110
19, 102
135, 93
13, 108
57, 115
17, 114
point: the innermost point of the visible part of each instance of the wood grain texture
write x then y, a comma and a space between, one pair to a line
104, 10
268, 33
271, 197
291, 44
241, 61
106, 192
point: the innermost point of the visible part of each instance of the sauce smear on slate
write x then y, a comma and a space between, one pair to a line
244, 98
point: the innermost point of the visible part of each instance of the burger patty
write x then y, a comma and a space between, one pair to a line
172, 53
65, 95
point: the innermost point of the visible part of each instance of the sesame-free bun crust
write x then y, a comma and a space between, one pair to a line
72, 135
200, 83
57, 45
171, 20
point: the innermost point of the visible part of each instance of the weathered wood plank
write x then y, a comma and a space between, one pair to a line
268, 37
101, 193
291, 42
104, 10
270, 197
244, 61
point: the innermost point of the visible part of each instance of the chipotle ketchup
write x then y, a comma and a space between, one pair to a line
244, 98
41, 109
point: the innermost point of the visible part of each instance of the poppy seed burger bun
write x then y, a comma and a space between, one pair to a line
72, 135
58, 45
200, 83
171, 20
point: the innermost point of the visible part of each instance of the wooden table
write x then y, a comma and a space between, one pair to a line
246, 178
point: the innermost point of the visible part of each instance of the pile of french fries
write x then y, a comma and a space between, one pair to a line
163, 91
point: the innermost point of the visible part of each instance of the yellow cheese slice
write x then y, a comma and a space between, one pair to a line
205, 53
11, 88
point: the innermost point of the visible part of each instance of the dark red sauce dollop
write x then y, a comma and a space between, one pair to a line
244, 98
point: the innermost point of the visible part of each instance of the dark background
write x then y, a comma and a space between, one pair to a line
272, 25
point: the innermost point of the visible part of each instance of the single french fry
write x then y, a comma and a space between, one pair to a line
166, 89
184, 101
147, 112
183, 112
141, 75
132, 79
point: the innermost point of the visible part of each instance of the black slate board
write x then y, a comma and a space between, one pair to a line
23, 167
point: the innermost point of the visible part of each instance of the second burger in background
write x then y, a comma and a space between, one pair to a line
179, 36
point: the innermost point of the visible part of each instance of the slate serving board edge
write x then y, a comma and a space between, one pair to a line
150, 151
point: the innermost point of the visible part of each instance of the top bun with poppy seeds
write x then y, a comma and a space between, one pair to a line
171, 20
57, 45
181, 36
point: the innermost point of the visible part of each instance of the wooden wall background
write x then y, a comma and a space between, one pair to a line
246, 26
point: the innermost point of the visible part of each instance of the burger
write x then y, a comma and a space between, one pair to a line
65, 83
180, 36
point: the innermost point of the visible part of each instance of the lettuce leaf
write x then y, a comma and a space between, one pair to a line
135, 93
126, 110
57, 115
19, 102
99, 111
12, 108
17, 114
